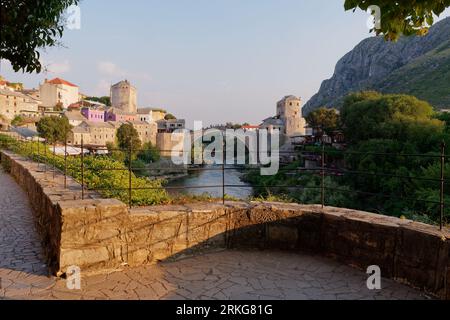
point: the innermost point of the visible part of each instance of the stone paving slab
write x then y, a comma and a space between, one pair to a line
254, 275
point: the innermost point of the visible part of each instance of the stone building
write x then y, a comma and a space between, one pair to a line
290, 112
116, 114
77, 134
14, 103
124, 97
93, 114
75, 117
147, 131
167, 143
94, 133
58, 91
169, 126
288, 119
34, 93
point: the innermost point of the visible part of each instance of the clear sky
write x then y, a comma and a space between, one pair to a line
209, 60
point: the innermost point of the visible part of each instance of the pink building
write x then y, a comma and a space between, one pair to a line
114, 114
94, 115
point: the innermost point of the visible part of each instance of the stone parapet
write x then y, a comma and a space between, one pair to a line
104, 233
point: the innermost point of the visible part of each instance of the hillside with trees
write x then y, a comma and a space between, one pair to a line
391, 164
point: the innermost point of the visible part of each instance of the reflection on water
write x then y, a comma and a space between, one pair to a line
212, 176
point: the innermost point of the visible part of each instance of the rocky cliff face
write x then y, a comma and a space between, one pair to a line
370, 64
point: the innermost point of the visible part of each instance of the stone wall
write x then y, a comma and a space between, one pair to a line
103, 233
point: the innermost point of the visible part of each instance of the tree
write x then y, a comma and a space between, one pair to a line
30, 25
127, 136
402, 17
17, 121
54, 129
370, 115
324, 119
149, 153
58, 107
170, 116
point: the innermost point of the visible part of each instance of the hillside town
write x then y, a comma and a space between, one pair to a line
95, 121
92, 122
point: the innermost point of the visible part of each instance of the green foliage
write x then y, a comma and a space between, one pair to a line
115, 153
149, 153
58, 107
128, 137
336, 194
426, 77
169, 116
402, 17
380, 171
105, 100
54, 129
282, 198
30, 25
101, 173
139, 168
445, 118
323, 119
400, 117
17, 121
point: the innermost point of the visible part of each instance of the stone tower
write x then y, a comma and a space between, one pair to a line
289, 110
124, 97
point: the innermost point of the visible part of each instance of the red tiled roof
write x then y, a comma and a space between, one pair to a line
76, 105
62, 81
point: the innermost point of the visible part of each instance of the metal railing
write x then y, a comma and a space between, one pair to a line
40, 152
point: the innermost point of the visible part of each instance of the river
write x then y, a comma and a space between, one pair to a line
212, 176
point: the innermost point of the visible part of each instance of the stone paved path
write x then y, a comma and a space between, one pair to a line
219, 275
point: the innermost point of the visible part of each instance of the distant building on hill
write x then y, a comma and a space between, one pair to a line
116, 114
14, 103
95, 115
147, 131
288, 118
151, 114
250, 128
75, 117
93, 133
169, 126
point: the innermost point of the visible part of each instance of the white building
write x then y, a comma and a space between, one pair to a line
58, 91
75, 117
151, 115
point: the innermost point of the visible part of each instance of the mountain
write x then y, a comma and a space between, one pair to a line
419, 66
